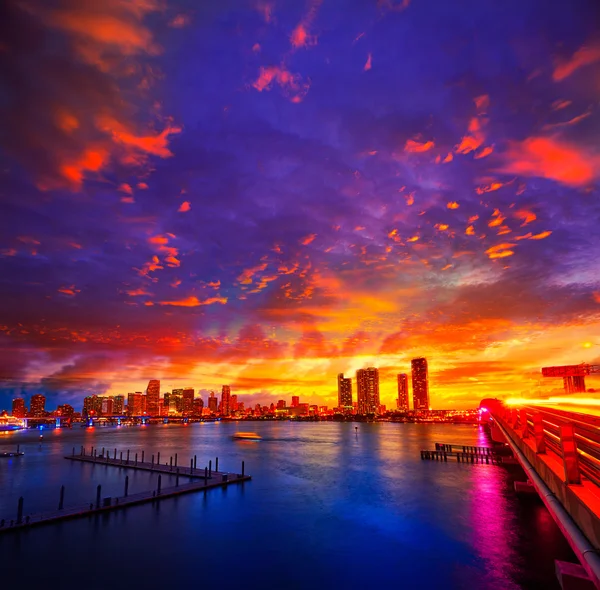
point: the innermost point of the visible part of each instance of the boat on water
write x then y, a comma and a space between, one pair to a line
10, 423
246, 436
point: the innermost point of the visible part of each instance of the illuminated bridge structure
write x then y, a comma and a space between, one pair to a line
560, 454
573, 376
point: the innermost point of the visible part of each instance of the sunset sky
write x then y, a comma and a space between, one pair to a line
266, 193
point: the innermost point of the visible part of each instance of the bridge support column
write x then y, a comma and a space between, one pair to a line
538, 433
523, 423
569, 451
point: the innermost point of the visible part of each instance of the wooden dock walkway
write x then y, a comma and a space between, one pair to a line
441, 455
205, 479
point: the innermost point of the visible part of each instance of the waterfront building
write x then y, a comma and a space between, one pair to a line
18, 407
280, 404
344, 393
295, 401
119, 405
187, 401
92, 406
37, 405
65, 411
225, 400
420, 383
213, 402
134, 403
153, 397
367, 390
233, 403
402, 401
107, 406
198, 406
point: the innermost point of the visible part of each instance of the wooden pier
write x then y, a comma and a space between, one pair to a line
468, 457
205, 479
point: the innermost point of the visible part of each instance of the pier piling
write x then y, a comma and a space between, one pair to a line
127, 457
61, 501
194, 461
191, 466
217, 465
177, 478
206, 474
210, 468
20, 511
175, 459
152, 461
126, 486
158, 459
121, 456
171, 464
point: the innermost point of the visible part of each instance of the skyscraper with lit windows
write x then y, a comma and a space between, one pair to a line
367, 390
344, 392
225, 400
402, 401
153, 397
420, 383
37, 405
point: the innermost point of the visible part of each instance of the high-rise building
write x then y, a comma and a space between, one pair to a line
281, 404
213, 402
225, 400
344, 393
108, 406
119, 405
187, 401
198, 406
37, 405
233, 403
295, 401
134, 403
153, 397
420, 383
92, 406
402, 401
65, 411
367, 390
18, 408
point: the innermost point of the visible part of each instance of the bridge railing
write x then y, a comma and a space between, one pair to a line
574, 437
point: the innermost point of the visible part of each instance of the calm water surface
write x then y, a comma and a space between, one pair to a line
327, 508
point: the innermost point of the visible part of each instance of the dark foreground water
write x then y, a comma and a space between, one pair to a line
327, 508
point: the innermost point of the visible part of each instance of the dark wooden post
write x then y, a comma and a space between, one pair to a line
136, 458
126, 486
217, 465
205, 474
127, 457
142, 456
242, 469
191, 466
158, 459
194, 461
569, 451
152, 464
61, 501
175, 459
210, 468
171, 464
177, 478
121, 456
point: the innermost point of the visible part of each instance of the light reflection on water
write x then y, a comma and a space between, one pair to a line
327, 507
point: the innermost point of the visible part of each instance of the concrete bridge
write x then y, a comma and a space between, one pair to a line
560, 454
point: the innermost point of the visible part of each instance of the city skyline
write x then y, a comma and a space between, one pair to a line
267, 194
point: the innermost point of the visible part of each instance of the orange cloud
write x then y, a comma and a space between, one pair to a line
308, 239
71, 291
526, 216
417, 146
142, 185
474, 138
557, 105
494, 186
368, 64
125, 188
448, 158
568, 123
470, 231
498, 219
137, 292
486, 151
291, 84
582, 57
452, 205
194, 301
547, 157
500, 251
185, 206
541, 236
